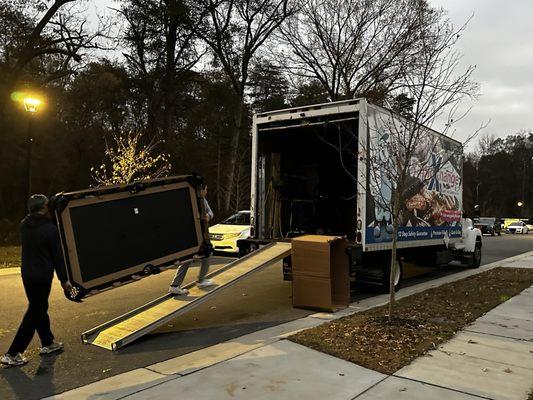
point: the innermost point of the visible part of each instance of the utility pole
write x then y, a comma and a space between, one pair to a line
29, 153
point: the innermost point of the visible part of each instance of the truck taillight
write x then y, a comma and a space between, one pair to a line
252, 231
358, 237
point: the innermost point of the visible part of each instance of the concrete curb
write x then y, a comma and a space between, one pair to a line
201, 359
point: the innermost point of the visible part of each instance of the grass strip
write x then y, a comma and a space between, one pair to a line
10, 257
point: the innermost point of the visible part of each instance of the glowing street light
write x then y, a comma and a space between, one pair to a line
519, 204
31, 104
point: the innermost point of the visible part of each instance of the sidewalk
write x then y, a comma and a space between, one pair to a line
492, 358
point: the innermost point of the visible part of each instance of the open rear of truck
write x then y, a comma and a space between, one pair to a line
301, 182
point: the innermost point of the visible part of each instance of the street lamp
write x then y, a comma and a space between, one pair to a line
31, 105
519, 204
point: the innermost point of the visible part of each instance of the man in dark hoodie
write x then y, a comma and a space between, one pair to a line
41, 255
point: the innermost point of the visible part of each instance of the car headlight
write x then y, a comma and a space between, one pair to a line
231, 235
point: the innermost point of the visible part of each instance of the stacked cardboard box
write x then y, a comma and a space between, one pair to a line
320, 269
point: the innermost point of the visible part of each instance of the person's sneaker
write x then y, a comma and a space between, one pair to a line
55, 346
177, 290
205, 283
8, 359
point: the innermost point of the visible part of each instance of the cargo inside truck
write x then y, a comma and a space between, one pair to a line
307, 177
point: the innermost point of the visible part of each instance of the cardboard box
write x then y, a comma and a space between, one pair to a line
321, 278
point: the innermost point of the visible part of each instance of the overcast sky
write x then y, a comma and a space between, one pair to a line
499, 41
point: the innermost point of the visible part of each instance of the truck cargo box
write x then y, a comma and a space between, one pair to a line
318, 170
112, 235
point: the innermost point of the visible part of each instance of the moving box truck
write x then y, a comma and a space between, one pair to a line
326, 169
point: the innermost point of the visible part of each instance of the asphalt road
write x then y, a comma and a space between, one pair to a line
262, 300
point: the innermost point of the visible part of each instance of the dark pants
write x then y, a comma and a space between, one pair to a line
36, 317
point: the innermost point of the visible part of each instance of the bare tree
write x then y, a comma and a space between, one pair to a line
235, 31
162, 42
486, 143
50, 39
354, 47
417, 159
415, 174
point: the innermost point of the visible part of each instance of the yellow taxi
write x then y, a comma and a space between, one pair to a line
224, 235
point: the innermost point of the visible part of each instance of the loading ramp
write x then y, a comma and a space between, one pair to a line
128, 327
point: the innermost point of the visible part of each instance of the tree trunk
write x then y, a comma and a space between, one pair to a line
233, 155
392, 275
169, 86
218, 176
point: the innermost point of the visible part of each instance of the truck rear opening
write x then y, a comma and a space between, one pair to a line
307, 176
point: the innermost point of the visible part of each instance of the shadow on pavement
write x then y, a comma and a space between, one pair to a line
26, 384
190, 340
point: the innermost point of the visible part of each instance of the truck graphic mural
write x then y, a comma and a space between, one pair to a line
431, 203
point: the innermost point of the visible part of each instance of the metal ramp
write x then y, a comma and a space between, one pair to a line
125, 329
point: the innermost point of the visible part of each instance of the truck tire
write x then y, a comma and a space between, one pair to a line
243, 251
476, 257
385, 279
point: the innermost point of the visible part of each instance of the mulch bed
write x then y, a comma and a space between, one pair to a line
421, 321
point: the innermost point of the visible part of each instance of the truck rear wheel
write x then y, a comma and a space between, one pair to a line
398, 279
476, 257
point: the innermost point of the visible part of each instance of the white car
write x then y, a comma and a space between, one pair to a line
518, 227
224, 235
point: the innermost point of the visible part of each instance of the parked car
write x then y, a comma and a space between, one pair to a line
489, 225
224, 235
509, 221
529, 227
518, 227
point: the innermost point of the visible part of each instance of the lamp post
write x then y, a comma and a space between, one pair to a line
31, 105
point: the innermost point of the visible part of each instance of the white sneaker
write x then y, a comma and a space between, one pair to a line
177, 290
8, 359
205, 283
55, 346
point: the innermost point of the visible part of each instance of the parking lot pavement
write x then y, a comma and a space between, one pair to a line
260, 302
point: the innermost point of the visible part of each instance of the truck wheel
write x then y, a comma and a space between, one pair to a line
476, 257
243, 251
385, 279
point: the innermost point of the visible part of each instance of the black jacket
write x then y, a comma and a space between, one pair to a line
41, 249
